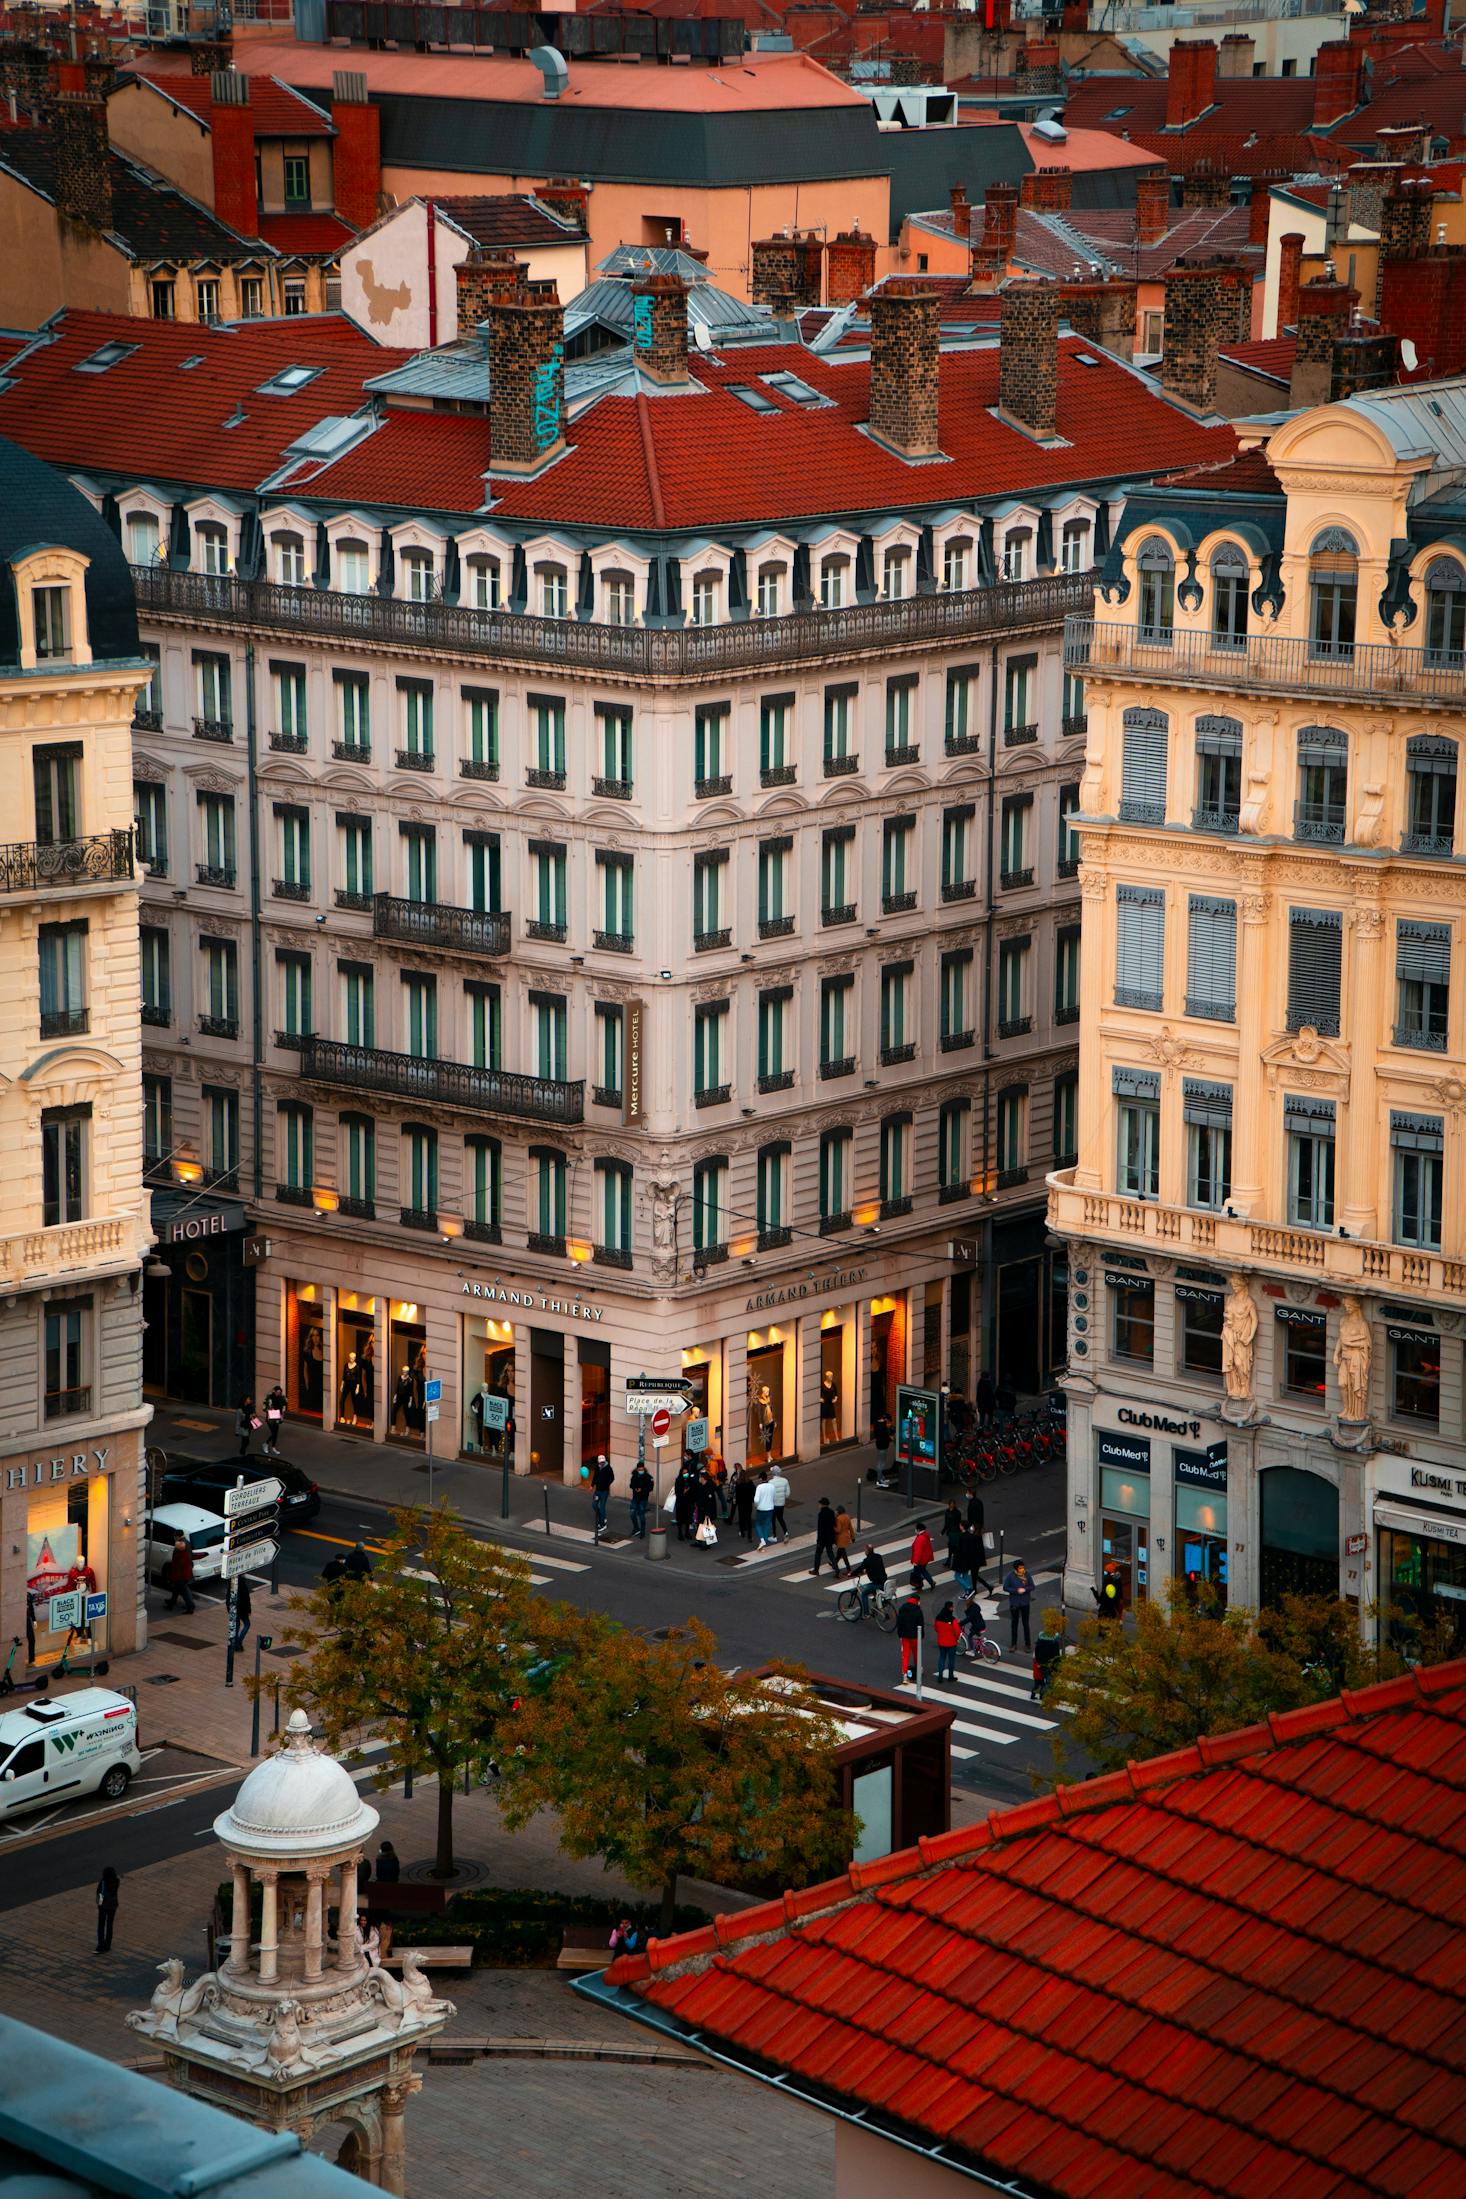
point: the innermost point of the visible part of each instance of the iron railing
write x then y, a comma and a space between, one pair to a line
433, 924
448, 1083
27, 866
1285, 664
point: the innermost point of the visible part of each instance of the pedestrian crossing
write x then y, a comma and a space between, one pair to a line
897, 1554
987, 1705
534, 1559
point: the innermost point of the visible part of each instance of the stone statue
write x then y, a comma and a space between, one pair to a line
285, 2048
664, 1196
1239, 1335
1352, 1355
415, 1986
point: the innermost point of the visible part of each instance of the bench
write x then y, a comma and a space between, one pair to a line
583, 1949
433, 1958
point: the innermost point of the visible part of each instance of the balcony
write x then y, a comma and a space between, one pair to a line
613, 942
147, 721
611, 1256
553, 782
1014, 1026
959, 889
774, 1237
483, 1233
893, 1056
424, 1218
415, 759
905, 752
956, 1042
1019, 736
712, 1095
289, 889
704, 789
216, 874
1289, 1255
40, 866
352, 752
897, 904
606, 1095
705, 942
347, 897
1066, 1011
540, 1240
1012, 880
1074, 724
841, 767
611, 790
843, 1066
228, 603
778, 775
64, 1022
157, 1014
776, 1080
892, 1209
962, 744
288, 744
477, 767
290, 1042
433, 924
294, 1194
448, 1083
554, 935
1264, 664
356, 1210
1009, 1178
1224, 822
213, 729
219, 1026
69, 1249
843, 913
1320, 824
775, 927
832, 1224
1420, 1038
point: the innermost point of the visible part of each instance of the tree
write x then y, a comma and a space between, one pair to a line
427, 1656
666, 1766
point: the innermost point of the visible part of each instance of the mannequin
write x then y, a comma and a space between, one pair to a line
402, 1401
349, 1394
766, 1417
829, 1408
366, 1388
313, 1371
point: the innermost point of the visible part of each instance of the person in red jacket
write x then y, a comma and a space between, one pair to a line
948, 1629
921, 1558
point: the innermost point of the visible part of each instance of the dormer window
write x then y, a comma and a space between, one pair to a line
1333, 586
1157, 570
1074, 546
896, 574
706, 599
483, 583
290, 560
353, 568
51, 614
1018, 554
1445, 613
213, 547
206, 298
1229, 597
297, 179
142, 538
618, 594
957, 564
417, 575
834, 574
770, 590
554, 591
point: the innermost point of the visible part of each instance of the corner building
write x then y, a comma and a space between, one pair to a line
1265, 1230
609, 901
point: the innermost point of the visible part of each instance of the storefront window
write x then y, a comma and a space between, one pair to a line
488, 1385
765, 1397
1201, 1539
356, 1361
1200, 1314
1302, 1354
305, 1349
1133, 1305
408, 1356
66, 1550
833, 1416
887, 1354
1124, 1526
1423, 1585
1415, 1366
595, 1399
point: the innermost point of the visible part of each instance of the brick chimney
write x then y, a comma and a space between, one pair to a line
1028, 356
83, 156
1337, 79
850, 266
786, 272
356, 162
526, 379
961, 209
1403, 141
1260, 205
211, 54
1425, 299
1364, 358
569, 199
1190, 80
1238, 50
990, 253
1404, 223
1204, 184
905, 343
26, 77
659, 328
1200, 315
1104, 311
1325, 309
484, 279
1037, 66
1152, 207
1047, 190
1290, 270
232, 142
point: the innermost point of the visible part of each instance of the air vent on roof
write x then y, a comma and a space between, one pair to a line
196, 361
289, 380
753, 398
108, 355
798, 393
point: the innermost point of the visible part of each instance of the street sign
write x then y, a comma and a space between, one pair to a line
661, 1421
660, 1442
433, 1411
695, 1436
651, 1402
432, 1390
683, 1382
256, 1251
66, 1610
255, 1557
496, 1412
97, 1606
255, 1496
1356, 1545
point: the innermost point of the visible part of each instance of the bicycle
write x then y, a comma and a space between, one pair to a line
848, 1605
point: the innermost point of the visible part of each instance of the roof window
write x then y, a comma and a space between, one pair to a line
755, 399
289, 380
798, 393
197, 360
107, 355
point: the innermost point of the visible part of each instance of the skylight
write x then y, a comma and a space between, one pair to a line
289, 380
753, 398
196, 361
798, 393
108, 355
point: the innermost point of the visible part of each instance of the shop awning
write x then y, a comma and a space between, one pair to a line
182, 1217
1433, 1526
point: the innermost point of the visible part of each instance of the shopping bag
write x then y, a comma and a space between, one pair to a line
707, 1534
669, 1501
989, 1546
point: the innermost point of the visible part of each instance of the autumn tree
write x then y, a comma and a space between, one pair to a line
666, 1766
427, 1656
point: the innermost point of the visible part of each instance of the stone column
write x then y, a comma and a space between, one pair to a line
393, 2175
1251, 1124
269, 1927
570, 1413
524, 1426
315, 1926
1363, 985
239, 1931
347, 1951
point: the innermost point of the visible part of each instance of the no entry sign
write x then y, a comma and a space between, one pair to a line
661, 1421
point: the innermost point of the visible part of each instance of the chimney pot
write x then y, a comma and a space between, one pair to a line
483, 279
1028, 356
905, 347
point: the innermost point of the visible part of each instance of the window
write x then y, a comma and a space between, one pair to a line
1417, 1144
1066, 974
955, 1000
709, 873
1229, 576
1156, 572
157, 1120
960, 735
1415, 1374
550, 890
774, 1066
485, 1171
954, 1144
484, 583
707, 599
420, 1173
1018, 553
356, 859
160, 300
1013, 1016
290, 720
839, 717
221, 1133
613, 1204
895, 1164
1199, 1314
143, 538
834, 581
769, 600
485, 872
1132, 1312
554, 591
1066, 1116
1012, 1133
420, 1016
420, 862
774, 917
294, 976
156, 990
1017, 811
609, 1053
613, 725
67, 1332
353, 568
1333, 589
710, 1206
358, 1148
1068, 837
1445, 613
353, 691
547, 732
251, 297
958, 883
709, 1052
897, 1028
1140, 913
900, 699
837, 876
1020, 699
774, 715
215, 707
896, 575
147, 711
1323, 783
551, 1036
51, 622
418, 576
1143, 768
486, 1025
957, 563
1075, 715
771, 1196
1423, 975
1315, 952
295, 1137
1138, 1123
212, 542
481, 707
216, 824
1304, 1353
837, 1025
1218, 774
618, 916
835, 1192
55, 779
709, 730
549, 1187
415, 703
358, 1003
1309, 1128
64, 1135
1207, 1110
1074, 551
221, 988
618, 599
898, 872
1211, 958
297, 179
63, 976
294, 829
1430, 781
290, 560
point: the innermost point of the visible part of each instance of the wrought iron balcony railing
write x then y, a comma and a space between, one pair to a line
434, 924
1279, 664
31, 866
448, 1083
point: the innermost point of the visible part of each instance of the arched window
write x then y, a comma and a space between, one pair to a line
417, 575
957, 563
1430, 787
353, 567
142, 538
770, 597
1157, 569
289, 559
483, 583
1445, 613
1323, 783
1229, 597
554, 591
834, 579
1333, 587
618, 594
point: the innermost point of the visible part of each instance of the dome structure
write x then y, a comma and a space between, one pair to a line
40, 509
299, 1802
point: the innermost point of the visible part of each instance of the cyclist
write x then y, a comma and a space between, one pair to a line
872, 1576
974, 1626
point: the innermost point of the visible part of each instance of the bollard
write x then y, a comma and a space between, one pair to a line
546, 1494
656, 1540
859, 1493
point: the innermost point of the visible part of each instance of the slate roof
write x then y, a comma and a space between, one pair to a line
1234, 1971
495, 220
151, 217
39, 508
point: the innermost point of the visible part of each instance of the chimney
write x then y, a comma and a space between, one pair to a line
1404, 226
1047, 190
357, 157
1190, 81
1370, 183
484, 280
1206, 185
1260, 205
232, 142
1200, 314
1239, 49
526, 379
1290, 270
83, 158
25, 78
1425, 299
850, 266
1337, 78
905, 345
1152, 207
210, 55
569, 199
1363, 359
1104, 311
659, 328
990, 253
1028, 356
961, 210
1037, 66
1325, 309
786, 272
1402, 141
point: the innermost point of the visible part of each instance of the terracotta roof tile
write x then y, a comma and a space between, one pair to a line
277, 110
306, 236
504, 218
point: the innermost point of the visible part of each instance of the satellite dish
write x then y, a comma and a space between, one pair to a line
1409, 356
702, 336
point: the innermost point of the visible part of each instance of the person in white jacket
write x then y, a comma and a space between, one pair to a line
779, 1484
764, 1501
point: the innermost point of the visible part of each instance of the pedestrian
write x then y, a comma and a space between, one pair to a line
948, 1629
369, 1939
389, 1865
872, 1576
1110, 1594
364, 1871
1018, 1588
961, 1551
179, 1575
824, 1537
974, 1626
763, 1510
1048, 1654
274, 1420
641, 1489
779, 1483
602, 1481
985, 1397
880, 1435
684, 1503
356, 1565
246, 1424
744, 1484
951, 1529
977, 1521
922, 1554
625, 1938
333, 1572
243, 1612
718, 1476
910, 1626
109, 1888
844, 1538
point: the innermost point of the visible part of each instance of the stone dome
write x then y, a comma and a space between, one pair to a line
299, 1802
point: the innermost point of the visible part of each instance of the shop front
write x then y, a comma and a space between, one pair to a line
702, 1366
407, 1369
305, 1350
488, 1419
1199, 1534
1420, 1533
198, 1301
1123, 1464
356, 1360
72, 1523
770, 1394
837, 1342
888, 1326
1299, 1514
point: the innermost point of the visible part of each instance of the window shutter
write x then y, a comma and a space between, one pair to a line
1136, 1083
1207, 1103
1143, 781
1308, 1118
1322, 744
1431, 755
1315, 955
1218, 736
1423, 953
1211, 959
1141, 946
1417, 1133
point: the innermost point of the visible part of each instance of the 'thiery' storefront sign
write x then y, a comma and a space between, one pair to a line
530, 1300
41, 1472
843, 1279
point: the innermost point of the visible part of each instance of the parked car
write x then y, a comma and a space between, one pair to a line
205, 1532
205, 1480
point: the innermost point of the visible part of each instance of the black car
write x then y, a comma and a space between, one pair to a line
204, 1482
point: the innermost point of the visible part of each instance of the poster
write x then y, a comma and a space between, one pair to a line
52, 1557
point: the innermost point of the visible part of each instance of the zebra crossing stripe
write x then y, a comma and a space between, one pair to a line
989, 1709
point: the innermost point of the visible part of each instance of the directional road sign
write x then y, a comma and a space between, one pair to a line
644, 1382
255, 1557
432, 1390
255, 1496
651, 1402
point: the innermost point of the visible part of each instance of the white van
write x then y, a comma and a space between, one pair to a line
63, 1746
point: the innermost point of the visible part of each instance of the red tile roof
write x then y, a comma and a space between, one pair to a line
1237, 1970
306, 236
1248, 473
1270, 355
495, 219
277, 110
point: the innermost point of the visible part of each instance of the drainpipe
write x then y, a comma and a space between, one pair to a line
432, 212
256, 941
988, 1336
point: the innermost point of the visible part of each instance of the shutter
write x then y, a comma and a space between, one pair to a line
1207, 1103
1218, 736
1423, 953
1308, 1118
1431, 755
1322, 744
1141, 911
1417, 1133
1136, 1083
1143, 781
1315, 953
1211, 959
